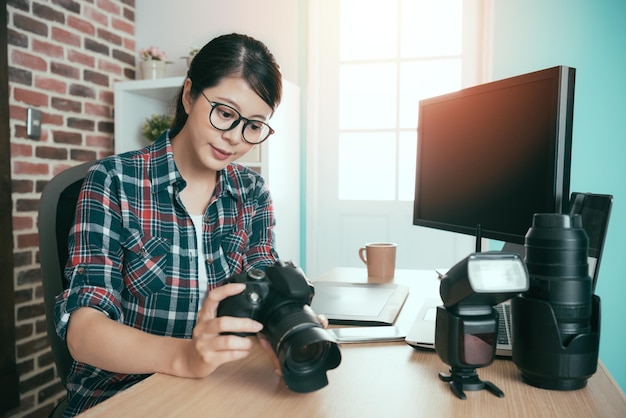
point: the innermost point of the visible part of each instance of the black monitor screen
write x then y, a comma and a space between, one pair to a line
494, 154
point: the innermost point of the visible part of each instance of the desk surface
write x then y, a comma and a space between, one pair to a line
373, 380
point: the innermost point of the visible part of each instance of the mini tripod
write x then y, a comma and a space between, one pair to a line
467, 379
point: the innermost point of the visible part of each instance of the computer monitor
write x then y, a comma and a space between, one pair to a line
491, 156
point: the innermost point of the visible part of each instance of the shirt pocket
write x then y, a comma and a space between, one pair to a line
145, 263
235, 246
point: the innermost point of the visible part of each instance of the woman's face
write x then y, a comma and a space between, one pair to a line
211, 148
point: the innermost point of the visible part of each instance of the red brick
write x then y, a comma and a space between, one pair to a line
110, 37
52, 119
65, 70
96, 78
67, 105
95, 16
123, 25
99, 141
63, 137
24, 59
97, 110
17, 112
42, 64
47, 48
130, 44
20, 132
83, 155
27, 205
28, 240
104, 154
65, 37
30, 97
124, 57
81, 25
18, 75
105, 126
84, 91
21, 150
107, 96
21, 186
48, 13
100, 47
60, 167
31, 346
51, 84
51, 153
25, 167
29, 24
108, 6
80, 124
16, 38
21, 222
110, 67
81, 58
129, 14
71, 5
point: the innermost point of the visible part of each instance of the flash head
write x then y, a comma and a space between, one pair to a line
467, 324
484, 279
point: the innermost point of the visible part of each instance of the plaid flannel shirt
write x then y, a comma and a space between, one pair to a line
133, 255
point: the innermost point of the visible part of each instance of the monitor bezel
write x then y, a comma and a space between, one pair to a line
563, 78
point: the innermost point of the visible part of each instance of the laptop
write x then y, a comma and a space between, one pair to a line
422, 331
595, 210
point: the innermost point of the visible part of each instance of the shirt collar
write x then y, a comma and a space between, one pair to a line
163, 169
164, 175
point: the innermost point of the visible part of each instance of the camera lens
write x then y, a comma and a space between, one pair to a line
556, 258
556, 323
305, 350
306, 357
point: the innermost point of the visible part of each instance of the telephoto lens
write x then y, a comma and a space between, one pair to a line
556, 258
556, 323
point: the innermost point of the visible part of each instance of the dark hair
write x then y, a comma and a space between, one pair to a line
226, 56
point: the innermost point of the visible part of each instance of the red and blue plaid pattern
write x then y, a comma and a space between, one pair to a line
133, 253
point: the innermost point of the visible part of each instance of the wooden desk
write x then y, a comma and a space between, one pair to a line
373, 380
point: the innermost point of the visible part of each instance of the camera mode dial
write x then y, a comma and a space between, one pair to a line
256, 274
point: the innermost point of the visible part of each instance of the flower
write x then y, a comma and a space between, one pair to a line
152, 53
155, 125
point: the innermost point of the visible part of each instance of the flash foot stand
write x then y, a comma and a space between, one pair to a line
467, 379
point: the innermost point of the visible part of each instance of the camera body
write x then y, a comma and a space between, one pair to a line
280, 299
267, 291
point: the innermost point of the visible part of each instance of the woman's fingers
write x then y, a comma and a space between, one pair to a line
264, 342
215, 296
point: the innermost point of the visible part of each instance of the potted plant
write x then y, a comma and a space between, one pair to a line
192, 53
152, 62
155, 125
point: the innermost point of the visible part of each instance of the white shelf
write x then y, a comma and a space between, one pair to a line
277, 159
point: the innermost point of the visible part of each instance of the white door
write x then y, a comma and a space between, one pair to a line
370, 63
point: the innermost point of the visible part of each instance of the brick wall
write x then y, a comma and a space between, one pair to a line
64, 56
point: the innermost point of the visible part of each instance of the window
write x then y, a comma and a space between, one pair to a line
391, 55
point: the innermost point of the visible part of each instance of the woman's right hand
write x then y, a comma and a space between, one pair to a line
209, 348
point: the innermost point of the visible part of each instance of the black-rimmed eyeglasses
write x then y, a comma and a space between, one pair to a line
225, 118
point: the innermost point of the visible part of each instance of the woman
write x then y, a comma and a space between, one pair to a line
159, 229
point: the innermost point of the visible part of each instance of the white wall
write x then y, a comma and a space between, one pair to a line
177, 26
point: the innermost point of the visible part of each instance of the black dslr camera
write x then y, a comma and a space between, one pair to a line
280, 299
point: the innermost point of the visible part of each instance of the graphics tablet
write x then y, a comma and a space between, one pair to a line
359, 303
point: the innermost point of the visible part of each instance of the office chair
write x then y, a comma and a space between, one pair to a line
56, 215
